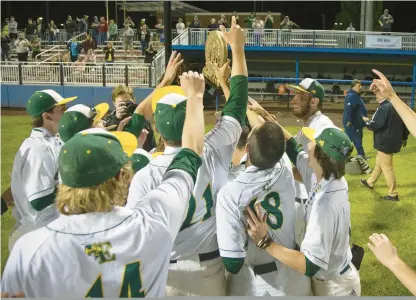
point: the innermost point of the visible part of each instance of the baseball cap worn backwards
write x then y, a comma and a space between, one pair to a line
310, 86
93, 156
332, 140
80, 117
42, 101
169, 108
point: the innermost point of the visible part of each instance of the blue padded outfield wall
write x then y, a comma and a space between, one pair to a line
16, 96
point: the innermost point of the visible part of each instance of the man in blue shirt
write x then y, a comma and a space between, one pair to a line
74, 49
354, 110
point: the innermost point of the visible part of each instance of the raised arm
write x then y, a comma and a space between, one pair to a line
406, 113
223, 74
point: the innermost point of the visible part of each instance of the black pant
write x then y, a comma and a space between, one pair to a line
22, 56
34, 53
74, 58
5, 55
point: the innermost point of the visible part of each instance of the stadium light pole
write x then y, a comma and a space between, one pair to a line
167, 5
323, 22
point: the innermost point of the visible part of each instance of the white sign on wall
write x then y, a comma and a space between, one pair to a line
383, 42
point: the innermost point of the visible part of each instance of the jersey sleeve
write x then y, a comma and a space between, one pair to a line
319, 236
300, 159
231, 234
11, 281
39, 176
171, 197
140, 186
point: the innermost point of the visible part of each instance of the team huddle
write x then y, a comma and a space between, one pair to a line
244, 210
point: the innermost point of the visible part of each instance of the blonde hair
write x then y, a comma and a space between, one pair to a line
99, 198
121, 90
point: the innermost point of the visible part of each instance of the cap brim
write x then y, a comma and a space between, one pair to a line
66, 100
161, 92
309, 133
298, 88
127, 140
101, 110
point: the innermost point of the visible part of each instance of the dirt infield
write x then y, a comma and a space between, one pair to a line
284, 116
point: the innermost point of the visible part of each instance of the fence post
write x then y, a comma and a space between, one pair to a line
103, 74
313, 40
20, 74
126, 75
189, 36
150, 76
61, 73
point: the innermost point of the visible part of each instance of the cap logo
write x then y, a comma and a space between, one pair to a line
313, 92
321, 143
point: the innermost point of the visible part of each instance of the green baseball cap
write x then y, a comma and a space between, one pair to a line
140, 159
80, 117
169, 108
332, 140
42, 101
93, 156
310, 86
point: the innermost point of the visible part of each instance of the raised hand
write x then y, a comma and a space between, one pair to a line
382, 85
172, 68
223, 73
235, 37
193, 84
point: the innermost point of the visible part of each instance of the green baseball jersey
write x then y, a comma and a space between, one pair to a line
122, 253
198, 230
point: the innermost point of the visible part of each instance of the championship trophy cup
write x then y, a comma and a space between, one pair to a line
216, 54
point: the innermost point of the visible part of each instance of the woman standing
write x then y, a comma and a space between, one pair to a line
22, 47
144, 37
35, 47
258, 26
52, 31
325, 253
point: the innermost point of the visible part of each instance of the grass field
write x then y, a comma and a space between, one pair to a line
369, 214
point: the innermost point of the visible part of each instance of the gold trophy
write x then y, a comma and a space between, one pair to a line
216, 55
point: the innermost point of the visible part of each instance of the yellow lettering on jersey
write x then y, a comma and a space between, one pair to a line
100, 251
131, 285
96, 290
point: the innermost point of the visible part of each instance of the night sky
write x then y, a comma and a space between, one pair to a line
305, 13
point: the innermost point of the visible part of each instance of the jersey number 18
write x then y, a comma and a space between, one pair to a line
271, 204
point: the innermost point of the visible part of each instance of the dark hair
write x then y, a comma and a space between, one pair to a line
38, 121
329, 166
355, 82
266, 145
242, 142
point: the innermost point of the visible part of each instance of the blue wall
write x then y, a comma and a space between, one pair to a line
16, 96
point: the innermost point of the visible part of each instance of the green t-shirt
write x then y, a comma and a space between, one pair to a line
250, 22
268, 24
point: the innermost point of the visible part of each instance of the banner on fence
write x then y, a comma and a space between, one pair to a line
383, 42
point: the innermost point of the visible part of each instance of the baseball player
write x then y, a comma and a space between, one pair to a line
268, 180
307, 105
119, 252
196, 267
35, 166
325, 253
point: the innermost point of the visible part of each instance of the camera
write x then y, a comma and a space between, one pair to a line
131, 107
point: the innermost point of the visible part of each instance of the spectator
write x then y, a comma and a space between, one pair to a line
223, 21
79, 65
113, 30
268, 21
5, 48
74, 49
128, 35
103, 29
90, 58
109, 53
258, 26
5, 27
129, 21
385, 21
70, 28
30, 30
83, 24
35, 44
22, 47
354, 109
88, 44
212, 25
195, 23
144, 37
142, 22
180, 26
159, 30
52, 31
94, 31
40, 28
288, 24
250, 20
150, 53
12, 29
390, 134
351, 28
